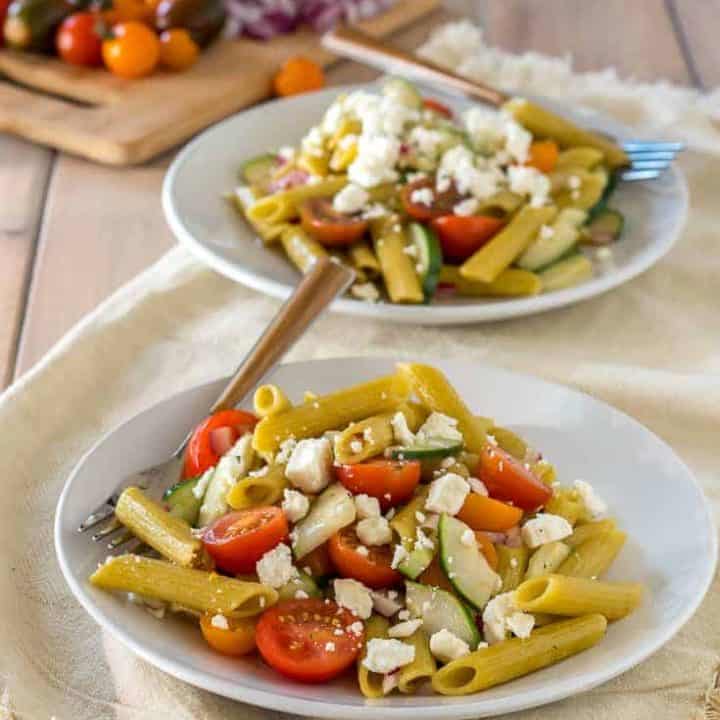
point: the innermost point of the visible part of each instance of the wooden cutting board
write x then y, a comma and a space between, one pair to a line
92, 113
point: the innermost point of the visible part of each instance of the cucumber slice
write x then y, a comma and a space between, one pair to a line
302, 582
405, 525
182, 502
433, 448
566, 273
258, 171
440, 610
403, 92
466, 567
429, 257
604, 229
544, 251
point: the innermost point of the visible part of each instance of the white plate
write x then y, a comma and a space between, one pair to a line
208, 226
671, 547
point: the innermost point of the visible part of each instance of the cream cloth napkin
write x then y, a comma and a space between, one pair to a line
651, 348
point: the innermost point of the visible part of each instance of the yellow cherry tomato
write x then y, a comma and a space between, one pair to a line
298, 75
127, 10
178, 51
133, 51
235, 640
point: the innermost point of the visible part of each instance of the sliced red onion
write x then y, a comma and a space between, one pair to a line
289, 180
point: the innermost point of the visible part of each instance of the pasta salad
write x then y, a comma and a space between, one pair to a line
420, 202
383, 529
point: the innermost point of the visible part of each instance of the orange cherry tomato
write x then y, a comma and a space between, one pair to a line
438, 107
300, 639
460, 236
298, 75
207, 443
372, 569
126, 11
317, 561
508, 479
236, 541
487, 549
328, 226
390, 481
238, 639
434, 575
178, 51
484, 513
442, 203
133, 51
77, 40
543, 155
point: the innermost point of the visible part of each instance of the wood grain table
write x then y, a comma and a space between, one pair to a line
71, 232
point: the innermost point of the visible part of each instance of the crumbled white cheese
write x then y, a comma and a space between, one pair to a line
356, 628
301, 595
422, 196
399, 556
447, 494
365, 291
362, 550
517, 141
295, 505
404, 629
439, 426
458, 166
386, 602
310, 465
478, 486
401, 431
286, 152
422, 541
466, 207
468, 538
428, 142
275, 567
201, 486
604, 254
415, 176
446, 646
350, 199
545, 528
374, 531
286, 450
374, 210
245, 196
486, 128
404, 615
375, 161
594, 504
354, 596
366, 506
356, 446
502, 615
220, 622
384, 656
529, 181
574, 182
330, 646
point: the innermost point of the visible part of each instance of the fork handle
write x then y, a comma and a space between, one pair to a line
314, 293
356, 45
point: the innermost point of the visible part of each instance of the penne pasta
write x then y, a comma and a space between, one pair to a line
511, 282
422, 668
195, 589
547, 559
270, 400
256, 490
592, 558
398, 271
589, 530
363, 258
371, 683
587, 195
586, 158
509, 441
567, 503
512, 565
301, 248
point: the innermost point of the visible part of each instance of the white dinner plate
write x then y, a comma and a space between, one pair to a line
212, 230
671, 545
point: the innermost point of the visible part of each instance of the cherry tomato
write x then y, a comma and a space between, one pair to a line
237, 640
298, 75
438, 107
178, 51
77, 40
133, 51
390, 481
318, 561
124, 11
202, 450
372, 569
442, 204
236, 541
328, 226
508, 479
3, 12
299, 639
460, 237
484, 513
543, 155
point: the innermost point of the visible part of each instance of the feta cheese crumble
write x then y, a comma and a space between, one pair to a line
404, 629
545, 528
220, 622
399, 556
478, 486
310, 465
446, 646
350, 199
467, 207
422, 196
354, 596
366, 506
594, 504
365, 291
441, 426
447, 494
502, 616
275, 567
295, 505
401, 431
374, 531
383, 656
529, 181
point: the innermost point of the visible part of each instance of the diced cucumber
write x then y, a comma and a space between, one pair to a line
258, 171
433, 448
604, 229
304, 583
405, 525
464, 564
545, 250
331, 512
440, 610
403, 92
182, 502
428, 257
566, 273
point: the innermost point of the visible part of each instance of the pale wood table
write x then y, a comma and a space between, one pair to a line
71, 231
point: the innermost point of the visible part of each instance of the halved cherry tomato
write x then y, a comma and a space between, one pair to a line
487, 549
484, 513
133, 51
543, 155
77, 40
237, 640
372, 569
438, 107
443, 202
236, 541
318, 561
508, 479
328, 226
3, 12
435, 575
300, 639
200, 454
390, 481
460, 236
298, 75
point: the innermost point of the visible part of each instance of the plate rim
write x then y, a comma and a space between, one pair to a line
371, 711
472, 312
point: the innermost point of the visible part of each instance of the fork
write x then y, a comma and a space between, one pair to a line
318, 288
647, 159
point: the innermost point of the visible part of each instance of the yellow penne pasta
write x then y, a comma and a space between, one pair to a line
269, 400
329, 412
509, 441
573, 596
512, 565
586, 195
317, 165
501, 203
398, 271
257, 490
514, 658
547, 559
589, 530
371, 683
301, 248
511, 282
544, 471
363, 258
592, 558
422, 668
195, 589
567, 503
579, 157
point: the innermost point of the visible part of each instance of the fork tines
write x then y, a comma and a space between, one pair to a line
648, 159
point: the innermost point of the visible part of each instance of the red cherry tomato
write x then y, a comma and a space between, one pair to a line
328, 226
390, 481
438, 107
236, 541
77, 40
460, 237
300, 639
200, 454
442, 204
3, 12
372, 569
508, 479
